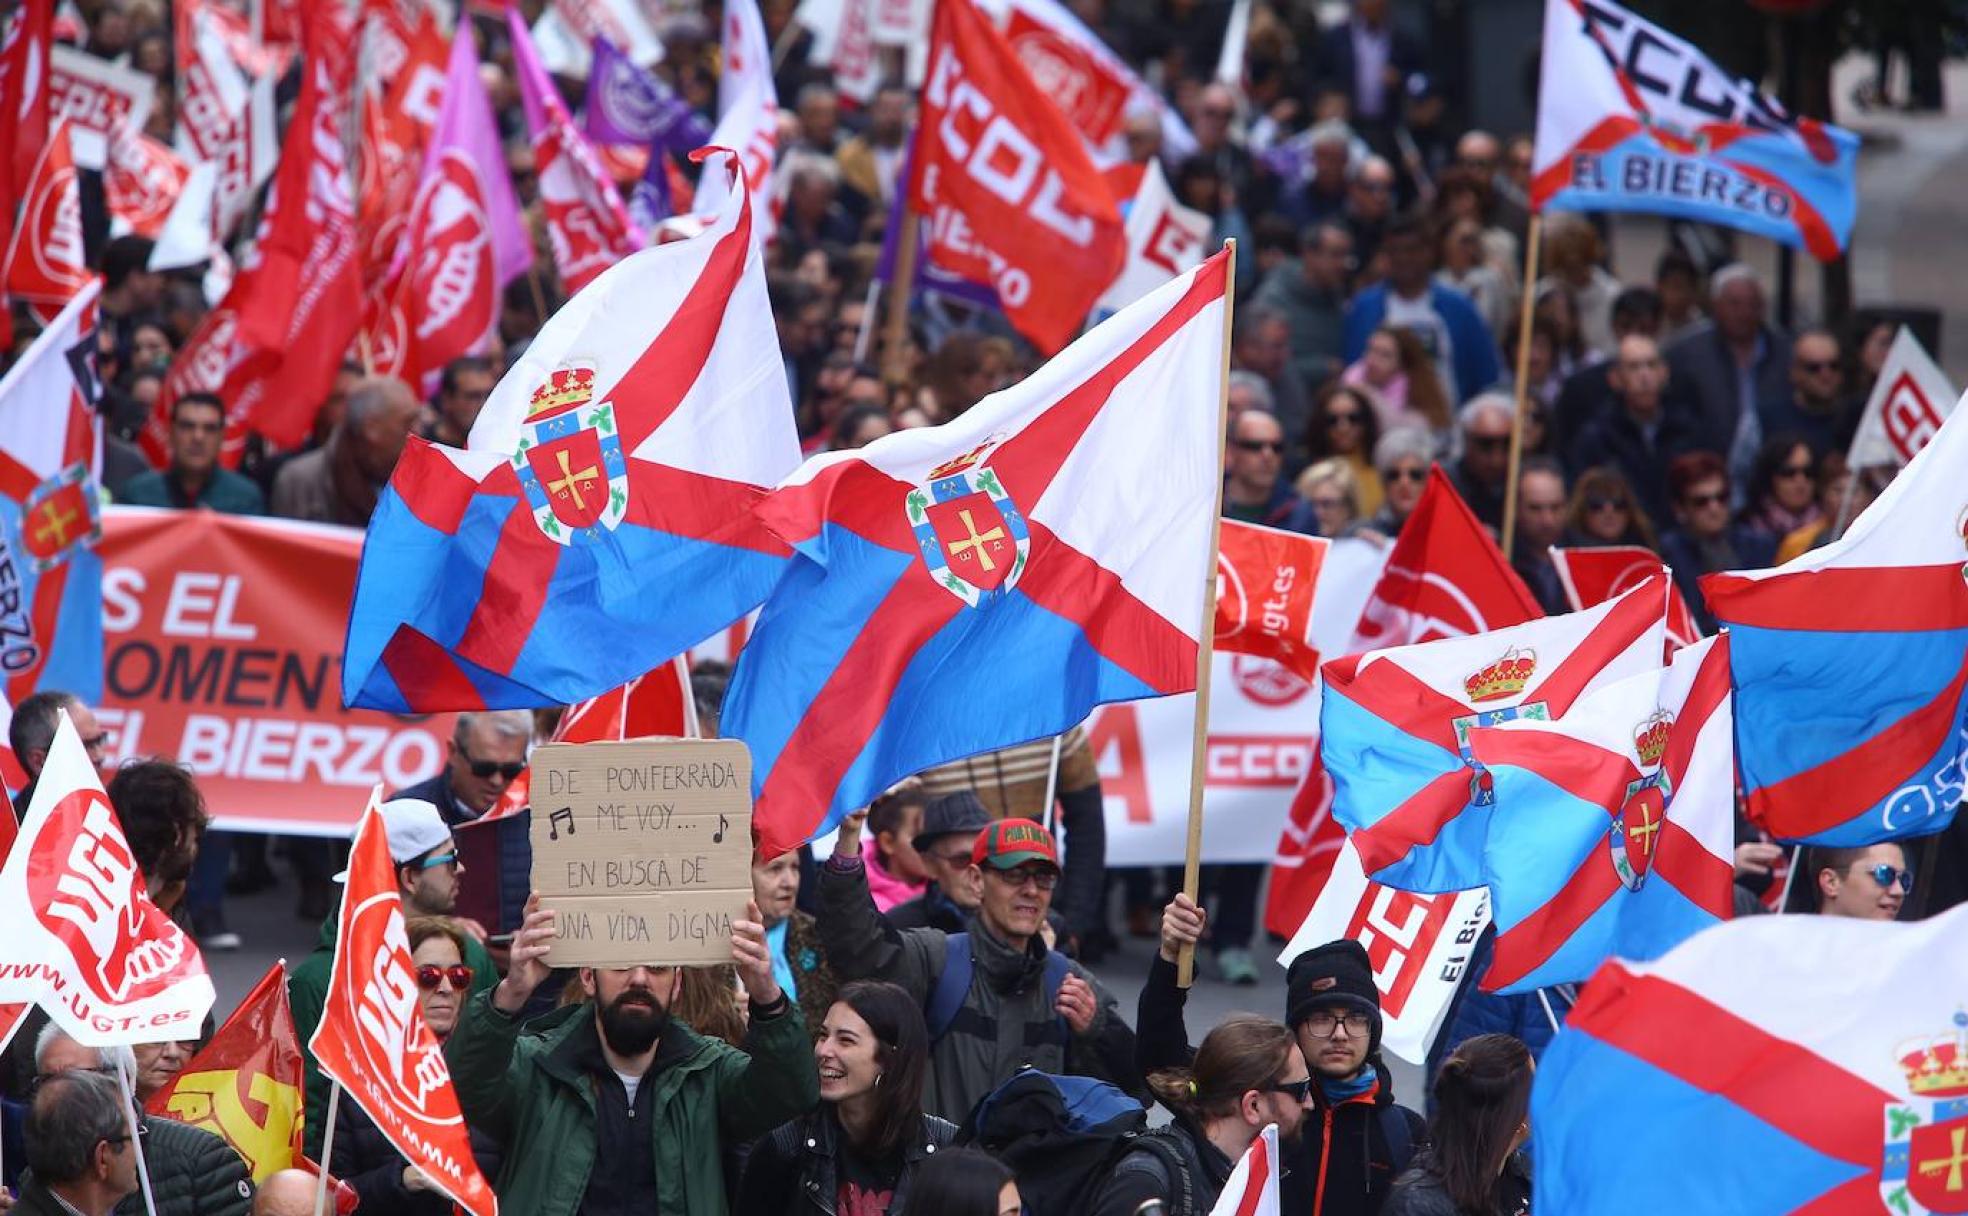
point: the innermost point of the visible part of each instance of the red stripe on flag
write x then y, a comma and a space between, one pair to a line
1584, 770
698, 506
1028, 461
1705, 1046
1705, 696
1899, 599
17, 481
1828, 794
428, 677
1861, 1194
1706, 880
1609, 134
1400, 698
1533, 940
1415, 822
842, 718
662, 376
1258, 1181
1126, 632
853, 495
515, 590
1643, 608
436, 491
1819, 240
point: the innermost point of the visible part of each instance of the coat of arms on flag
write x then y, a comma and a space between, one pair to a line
1632, 836
60, 515
1926, 1163
973, 538
1496, 681
570, 461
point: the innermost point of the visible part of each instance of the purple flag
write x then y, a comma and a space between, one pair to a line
929, 276
467, 143
627, 105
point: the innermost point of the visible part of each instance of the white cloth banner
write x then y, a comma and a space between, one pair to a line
1910, 401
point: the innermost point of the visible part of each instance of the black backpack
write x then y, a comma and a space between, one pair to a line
1061, 1136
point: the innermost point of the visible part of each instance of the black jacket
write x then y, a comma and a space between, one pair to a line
793, 1169
1145, 1174
1615, 439
1342, 1164
1418, 1192
369, 1163
192, 1173
930, 910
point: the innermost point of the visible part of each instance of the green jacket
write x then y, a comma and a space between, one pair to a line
307, 995
523, 1087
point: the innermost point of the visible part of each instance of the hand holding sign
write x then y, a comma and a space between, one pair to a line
753, 957
527, 968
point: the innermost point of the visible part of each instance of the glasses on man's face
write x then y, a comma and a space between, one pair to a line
430, 975
1415, 475
117, 1142
1890, 876
1817, 367
439, 859
485, 769
1260, 445
1325, 1021
1040, 877
1489, 443
1297, 1091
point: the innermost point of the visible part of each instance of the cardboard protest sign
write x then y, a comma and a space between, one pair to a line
642, 849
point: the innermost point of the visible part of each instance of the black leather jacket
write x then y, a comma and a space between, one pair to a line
792, 1170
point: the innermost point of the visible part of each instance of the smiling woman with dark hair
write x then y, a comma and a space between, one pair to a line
859, 1151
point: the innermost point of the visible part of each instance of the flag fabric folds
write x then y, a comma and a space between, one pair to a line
629, 105
1394, 728
1252, 1188
1013, 197
244, 1085
1265, 580
50, 511
599, 519
46, 264
1594, 574
989, 581
1632, 118
1806, 1064
1614, 827
1851, 665
83, 937
1908, 404
372, 1040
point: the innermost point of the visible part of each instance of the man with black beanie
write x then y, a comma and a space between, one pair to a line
1348, 1153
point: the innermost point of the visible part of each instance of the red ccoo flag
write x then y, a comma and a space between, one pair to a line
1013, 197
1445, 579
372, 1040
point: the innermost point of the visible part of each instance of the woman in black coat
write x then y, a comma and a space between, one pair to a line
858, 1152
1482, 1117
362, 1156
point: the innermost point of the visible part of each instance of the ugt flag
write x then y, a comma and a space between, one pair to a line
372, 1040
1851, 666
1394, 728
598, 520
979, 584
50, 450
245, 1084
1614, 827
83, 937
1806, 1064
1632, 118
1265, 578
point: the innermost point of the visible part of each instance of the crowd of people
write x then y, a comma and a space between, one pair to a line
863, 1050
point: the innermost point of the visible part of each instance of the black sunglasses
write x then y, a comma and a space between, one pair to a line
1605, 504
1794, 470
1261, 445
1405, 475
1489, 443
1297, 1091
1697, 501
1887, 876
485, 768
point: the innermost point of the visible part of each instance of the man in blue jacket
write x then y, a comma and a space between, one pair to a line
1464, 350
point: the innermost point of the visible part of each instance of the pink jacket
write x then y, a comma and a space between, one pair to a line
888, 890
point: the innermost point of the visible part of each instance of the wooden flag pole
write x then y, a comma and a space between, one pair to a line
1532, 239
902, 279
1185, 967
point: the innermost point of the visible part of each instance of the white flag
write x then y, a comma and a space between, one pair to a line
1909, 402
1252, 1189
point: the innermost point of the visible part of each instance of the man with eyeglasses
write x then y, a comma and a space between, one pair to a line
949, 830
193, 1172
487, 754
1356, 1139
1483, 461
1254, 489
995, 998
79, 1151
1817, 408
32, 733
1867, 883
427, 881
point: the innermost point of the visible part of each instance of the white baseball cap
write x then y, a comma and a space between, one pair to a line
414, 828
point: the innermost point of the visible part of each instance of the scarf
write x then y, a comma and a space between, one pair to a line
1366, 1082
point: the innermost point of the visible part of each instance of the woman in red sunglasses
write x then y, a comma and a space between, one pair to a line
387, 1184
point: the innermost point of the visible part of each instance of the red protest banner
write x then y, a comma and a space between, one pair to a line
1013, 197
372, 1040
1264, 579
223, 639
245, 1085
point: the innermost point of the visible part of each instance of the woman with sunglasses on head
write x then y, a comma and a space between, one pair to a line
1471, 1166
1783, 488
1401, 460
363, 1157
1604, 512
1248, 1074
858, 1152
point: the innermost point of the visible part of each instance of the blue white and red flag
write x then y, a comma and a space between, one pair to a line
1614, 826
50, 518
1394, 728
1802, 1064
1633, 118
599, 519
989, 581
1851, 665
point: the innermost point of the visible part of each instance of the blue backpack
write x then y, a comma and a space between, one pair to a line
953, 986
1061, 1136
